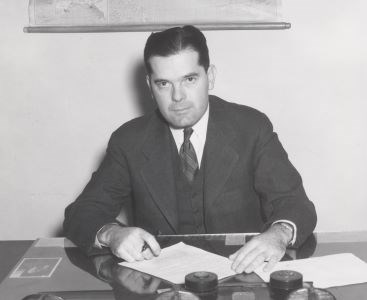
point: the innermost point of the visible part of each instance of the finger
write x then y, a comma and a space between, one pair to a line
233, 256
135, 252
241, 253
125, 254
256, 262
152, 242
246, 265
271, 264
243, 256
242, 262
147, 254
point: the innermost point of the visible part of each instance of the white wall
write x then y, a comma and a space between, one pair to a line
61, 95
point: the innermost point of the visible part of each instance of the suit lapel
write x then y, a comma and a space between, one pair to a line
221, 157
157, 172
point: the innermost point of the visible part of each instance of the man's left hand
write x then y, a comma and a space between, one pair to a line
266, 247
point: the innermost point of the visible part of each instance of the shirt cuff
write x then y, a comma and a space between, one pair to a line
294, 237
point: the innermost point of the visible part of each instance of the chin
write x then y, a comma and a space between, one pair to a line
181, 123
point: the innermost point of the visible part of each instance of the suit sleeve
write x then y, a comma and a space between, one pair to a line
280, 185
101, 200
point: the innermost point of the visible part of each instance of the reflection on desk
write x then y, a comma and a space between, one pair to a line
100, 277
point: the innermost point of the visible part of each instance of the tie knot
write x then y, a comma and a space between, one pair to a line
187, 133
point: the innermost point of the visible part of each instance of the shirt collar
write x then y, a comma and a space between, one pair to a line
200, 129
201, 126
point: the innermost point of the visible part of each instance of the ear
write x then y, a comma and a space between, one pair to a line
212, 72
147, 78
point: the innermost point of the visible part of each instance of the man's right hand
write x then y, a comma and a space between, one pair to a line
127, 242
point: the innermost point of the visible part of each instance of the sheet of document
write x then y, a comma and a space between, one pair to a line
325, 271
178, 260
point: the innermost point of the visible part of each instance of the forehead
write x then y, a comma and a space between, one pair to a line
176, 65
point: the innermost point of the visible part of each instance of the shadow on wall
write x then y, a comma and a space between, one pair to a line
145, 104
143, 98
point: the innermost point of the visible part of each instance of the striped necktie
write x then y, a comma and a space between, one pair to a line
188, 156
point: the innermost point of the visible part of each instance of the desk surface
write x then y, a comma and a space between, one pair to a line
12, 251
79, 277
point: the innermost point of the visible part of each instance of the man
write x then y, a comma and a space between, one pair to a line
198, 164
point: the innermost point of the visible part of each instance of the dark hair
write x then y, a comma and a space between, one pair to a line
174, 40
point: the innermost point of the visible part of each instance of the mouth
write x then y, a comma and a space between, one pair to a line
180, 110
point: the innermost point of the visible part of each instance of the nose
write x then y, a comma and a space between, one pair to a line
178, 94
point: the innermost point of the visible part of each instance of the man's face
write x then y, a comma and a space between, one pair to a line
180, 86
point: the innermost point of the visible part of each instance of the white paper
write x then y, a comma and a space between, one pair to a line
325, 271
178, 260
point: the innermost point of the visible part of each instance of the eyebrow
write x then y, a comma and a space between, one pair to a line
193, 74
159, 80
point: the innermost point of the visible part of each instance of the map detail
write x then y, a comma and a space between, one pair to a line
68, 12
146, 12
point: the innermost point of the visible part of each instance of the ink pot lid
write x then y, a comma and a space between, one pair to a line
201, 282
286, 280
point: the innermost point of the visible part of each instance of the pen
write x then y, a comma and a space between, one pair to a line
146, 245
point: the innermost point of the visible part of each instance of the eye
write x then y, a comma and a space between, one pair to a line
191, 79
162, 84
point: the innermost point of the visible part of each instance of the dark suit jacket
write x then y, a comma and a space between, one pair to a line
249, 181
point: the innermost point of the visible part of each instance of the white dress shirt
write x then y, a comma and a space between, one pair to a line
197, 138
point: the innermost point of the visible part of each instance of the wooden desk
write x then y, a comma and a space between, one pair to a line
77, 276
